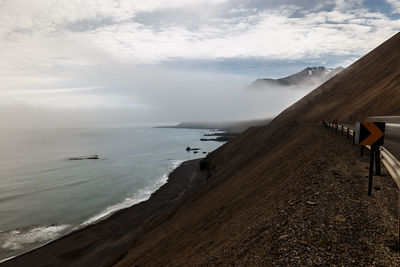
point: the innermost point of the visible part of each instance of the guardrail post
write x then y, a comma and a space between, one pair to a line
336, 128
378, 162
348, 133
371, 169
342, 129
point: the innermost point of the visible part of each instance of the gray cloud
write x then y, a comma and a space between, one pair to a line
231, 12
84, 25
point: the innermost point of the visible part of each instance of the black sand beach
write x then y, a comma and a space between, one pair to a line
105, 242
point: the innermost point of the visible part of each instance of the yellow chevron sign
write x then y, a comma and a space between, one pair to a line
370, 133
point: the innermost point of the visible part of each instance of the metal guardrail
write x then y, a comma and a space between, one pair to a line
387, 119
391, 163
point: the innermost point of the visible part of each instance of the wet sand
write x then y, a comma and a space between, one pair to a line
105, 242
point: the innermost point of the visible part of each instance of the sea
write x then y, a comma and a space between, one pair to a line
44, 195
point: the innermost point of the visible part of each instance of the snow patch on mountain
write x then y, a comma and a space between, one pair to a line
310, 77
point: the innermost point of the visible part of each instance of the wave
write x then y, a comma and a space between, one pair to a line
18, 238
142, 195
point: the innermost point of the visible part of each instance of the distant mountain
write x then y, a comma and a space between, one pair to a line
232, 127
309, 77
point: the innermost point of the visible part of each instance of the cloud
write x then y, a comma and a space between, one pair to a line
396, 6
155, 58
46, 91
154, 31
271, 33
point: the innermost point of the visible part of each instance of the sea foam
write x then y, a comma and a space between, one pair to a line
17, 238
140, 196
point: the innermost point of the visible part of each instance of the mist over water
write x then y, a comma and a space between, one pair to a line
43, 195
130, 94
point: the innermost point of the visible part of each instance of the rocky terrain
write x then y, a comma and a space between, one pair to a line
288, 192
313, 210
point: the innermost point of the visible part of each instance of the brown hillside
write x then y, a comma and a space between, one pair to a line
252, 209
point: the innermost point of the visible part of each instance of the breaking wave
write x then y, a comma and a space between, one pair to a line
18, 238
142, 195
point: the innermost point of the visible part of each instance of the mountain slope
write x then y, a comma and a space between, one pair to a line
309, 77
252, 209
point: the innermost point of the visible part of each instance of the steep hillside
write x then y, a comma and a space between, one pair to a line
254, 207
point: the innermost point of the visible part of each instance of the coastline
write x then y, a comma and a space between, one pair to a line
220, 134
228, 127
105, 241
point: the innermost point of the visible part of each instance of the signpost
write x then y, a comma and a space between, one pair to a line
371, 134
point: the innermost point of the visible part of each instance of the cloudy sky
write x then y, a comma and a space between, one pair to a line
74, 62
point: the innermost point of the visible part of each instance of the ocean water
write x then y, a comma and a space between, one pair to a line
43, 195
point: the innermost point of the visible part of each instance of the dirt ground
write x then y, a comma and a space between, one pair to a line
313, 211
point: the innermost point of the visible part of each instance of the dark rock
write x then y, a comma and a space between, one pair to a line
204, 165
218, 139
84, 157
194, 149
225, 134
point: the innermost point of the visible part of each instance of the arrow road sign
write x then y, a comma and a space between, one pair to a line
370, 133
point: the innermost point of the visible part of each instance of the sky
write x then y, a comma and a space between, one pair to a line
71, 63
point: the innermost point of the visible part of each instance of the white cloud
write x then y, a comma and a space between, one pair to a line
267, 34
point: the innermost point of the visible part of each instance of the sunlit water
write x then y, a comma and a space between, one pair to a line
43, 195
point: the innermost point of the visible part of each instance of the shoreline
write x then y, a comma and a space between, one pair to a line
104, 214
219, 134
99, 243
231, 127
